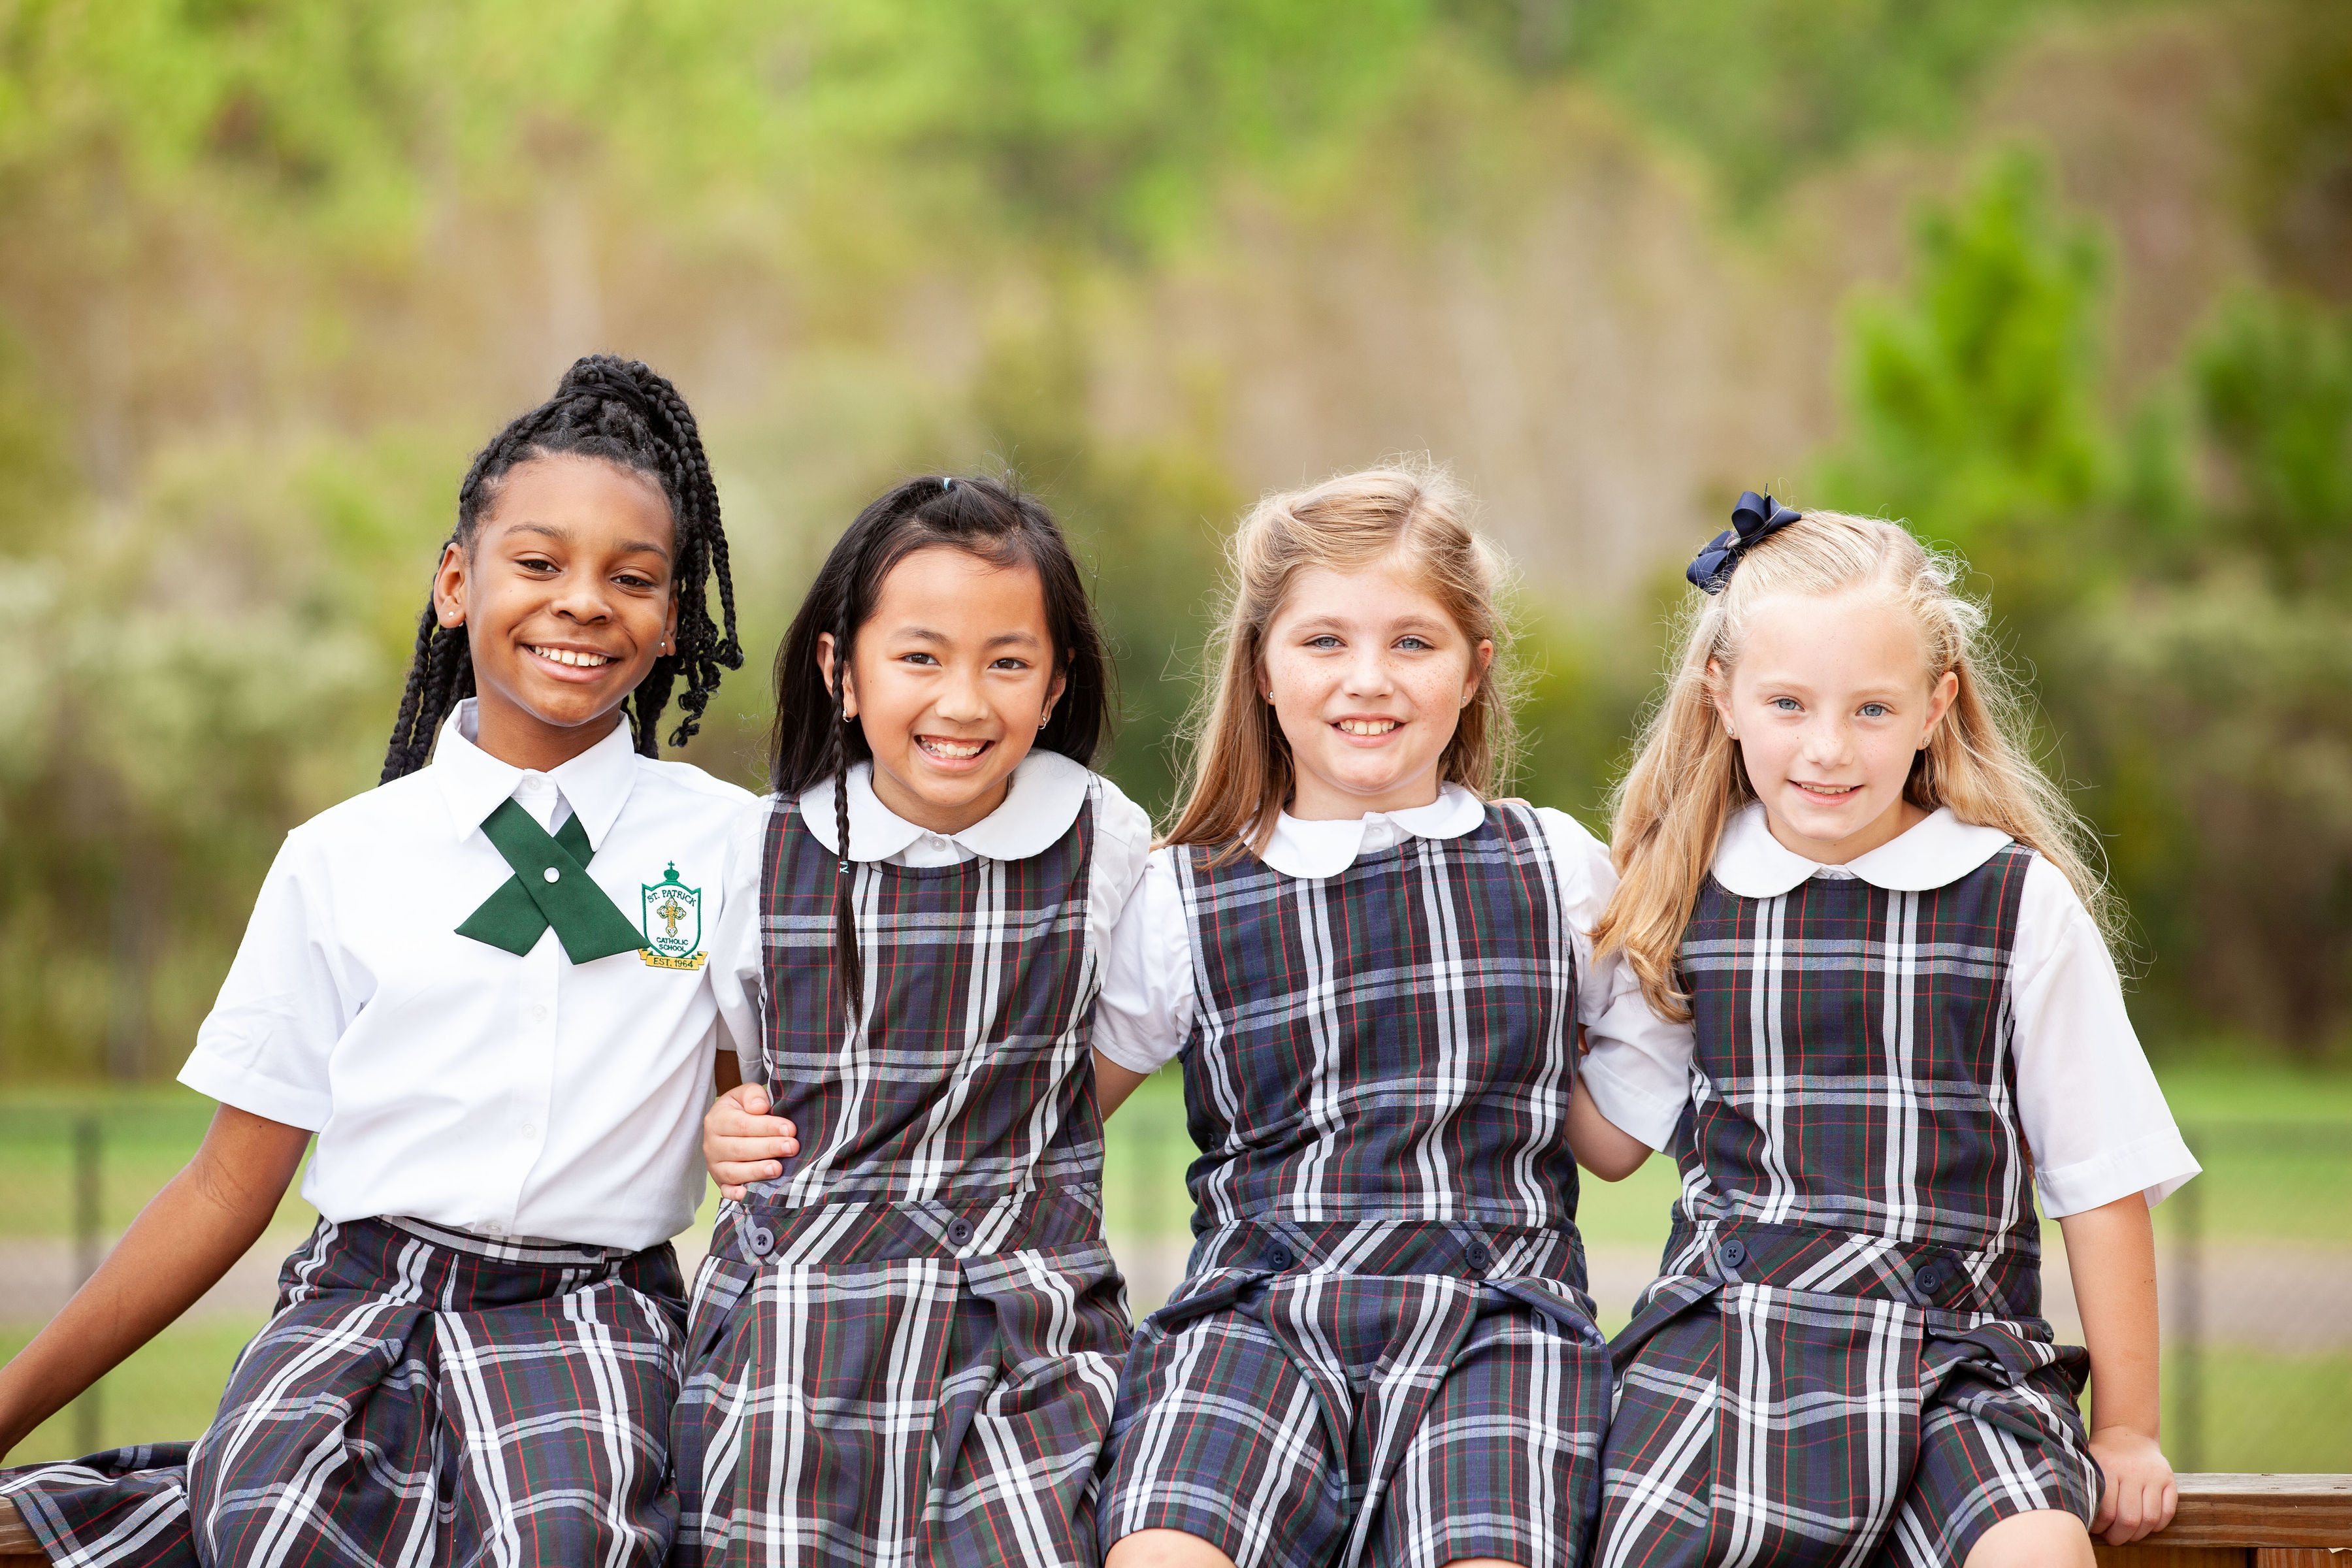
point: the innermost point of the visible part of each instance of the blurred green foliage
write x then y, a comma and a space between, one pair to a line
2173, 580
246, 337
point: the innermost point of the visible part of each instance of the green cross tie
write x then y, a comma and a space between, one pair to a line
551, 887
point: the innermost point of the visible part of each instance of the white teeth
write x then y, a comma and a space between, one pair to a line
578, 660
957, 750
1368, 726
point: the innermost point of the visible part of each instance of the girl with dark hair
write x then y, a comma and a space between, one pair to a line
482, 986
906, 1339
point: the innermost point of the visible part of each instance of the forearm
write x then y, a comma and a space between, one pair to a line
1600, 1145
1114, 1083
2111, 1255
204, 1220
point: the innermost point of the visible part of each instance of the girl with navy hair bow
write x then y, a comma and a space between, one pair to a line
1839, 860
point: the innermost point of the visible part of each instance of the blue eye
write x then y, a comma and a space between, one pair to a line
1873, 710
1414, 644
1326, 640
1785, 704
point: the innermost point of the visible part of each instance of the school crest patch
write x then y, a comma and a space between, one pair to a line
672, 924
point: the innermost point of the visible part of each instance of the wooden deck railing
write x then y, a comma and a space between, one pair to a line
2224, 1522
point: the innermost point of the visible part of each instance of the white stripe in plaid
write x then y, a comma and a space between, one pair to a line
1799, 1427
1382, 1351
1321, 1417
903, 1411
420, 1396
1841, 1362
905, 1349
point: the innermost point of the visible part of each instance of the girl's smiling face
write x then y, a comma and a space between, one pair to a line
950, 679
1367, 676
567, 597
1830, 701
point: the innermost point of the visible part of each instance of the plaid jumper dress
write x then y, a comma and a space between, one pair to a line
1383, 1350
904, 1348
1842, 1361
420, 1397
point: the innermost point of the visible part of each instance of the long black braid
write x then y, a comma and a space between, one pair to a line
847, 962
621, 411
815, 737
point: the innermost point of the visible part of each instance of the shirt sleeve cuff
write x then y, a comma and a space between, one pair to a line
2156, 1166
1631, 1109
249, 1090
1135, 1056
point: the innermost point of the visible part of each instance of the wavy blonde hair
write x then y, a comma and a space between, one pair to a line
1672, 807
1408, 514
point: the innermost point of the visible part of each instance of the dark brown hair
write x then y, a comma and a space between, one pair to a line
813, 736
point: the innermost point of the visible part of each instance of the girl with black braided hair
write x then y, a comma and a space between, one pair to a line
906, 1342
483, 986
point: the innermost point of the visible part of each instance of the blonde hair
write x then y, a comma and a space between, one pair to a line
1672, 807
1413, 515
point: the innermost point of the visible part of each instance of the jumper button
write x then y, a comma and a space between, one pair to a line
960, 1232
1478, 1256
552, 874
1279, 1256
760, 1240
1733, 1252
1932, 1276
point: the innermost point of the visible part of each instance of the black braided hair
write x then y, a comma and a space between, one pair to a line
621, 411
815, 738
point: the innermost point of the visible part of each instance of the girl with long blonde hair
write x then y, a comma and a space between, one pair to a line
1838, 859
1374, 975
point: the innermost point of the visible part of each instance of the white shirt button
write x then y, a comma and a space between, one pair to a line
530, 1129
552, 874
494, 1229
540, 1011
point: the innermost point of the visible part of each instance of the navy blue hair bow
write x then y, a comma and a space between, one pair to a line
1755, 520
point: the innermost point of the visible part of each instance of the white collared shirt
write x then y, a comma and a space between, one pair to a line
1148, 1000
2088, 1102
1041, 799
451, 1080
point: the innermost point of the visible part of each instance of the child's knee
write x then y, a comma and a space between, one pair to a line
1164, 1549
2046, 1538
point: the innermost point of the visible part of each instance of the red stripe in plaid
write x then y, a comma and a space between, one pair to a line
420, 1396
905, 1349
1328, 1418
1841, 1359
1383, 1350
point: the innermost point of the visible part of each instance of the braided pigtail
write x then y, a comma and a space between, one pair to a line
623, 412
847, 962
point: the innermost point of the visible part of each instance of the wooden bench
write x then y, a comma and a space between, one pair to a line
2224, 1522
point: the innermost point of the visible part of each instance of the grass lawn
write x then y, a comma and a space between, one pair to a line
167, 1391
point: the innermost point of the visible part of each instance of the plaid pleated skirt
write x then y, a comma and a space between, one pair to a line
1809, 1396
421, 1396
893, 1384
1390, 1393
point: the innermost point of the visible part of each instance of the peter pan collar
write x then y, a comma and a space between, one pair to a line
1936, 853
1301, 847
595, 783
1046, 791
